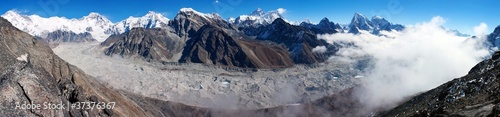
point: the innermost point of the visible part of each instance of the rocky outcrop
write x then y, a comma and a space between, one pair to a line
157, 44
375, 25
65, 36
476, 94
214, 46
298, 40
188, 21
493, 39
31, 73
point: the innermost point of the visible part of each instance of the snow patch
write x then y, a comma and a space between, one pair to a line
319, 49
23, 57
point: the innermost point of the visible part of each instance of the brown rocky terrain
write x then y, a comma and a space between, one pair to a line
157, 44
188, 21
214, 46
32, 73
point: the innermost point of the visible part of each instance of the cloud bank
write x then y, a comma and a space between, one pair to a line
417, 59
481, 29
281, 10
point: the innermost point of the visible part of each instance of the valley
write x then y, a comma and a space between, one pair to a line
212, 86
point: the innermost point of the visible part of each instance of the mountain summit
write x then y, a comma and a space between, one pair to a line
150, 20
359, 22
94, 23
97, 25
257, 18
324, 26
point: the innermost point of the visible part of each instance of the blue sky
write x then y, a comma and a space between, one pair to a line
460, 14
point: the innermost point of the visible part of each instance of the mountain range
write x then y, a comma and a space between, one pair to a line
97, 25
375, 25
257, 40
30, 72
100, 28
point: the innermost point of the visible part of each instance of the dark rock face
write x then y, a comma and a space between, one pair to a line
298, 40
380, 24
65, 36
187, 23
494, 38
214, 46
325, 26
476, 94
374, 26
156, 44
359, 22
210, 40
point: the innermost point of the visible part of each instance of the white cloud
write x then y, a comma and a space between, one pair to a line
481, 29
319, 49
414, 60
281, 10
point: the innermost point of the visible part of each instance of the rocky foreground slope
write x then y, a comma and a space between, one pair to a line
31, 73
476, 94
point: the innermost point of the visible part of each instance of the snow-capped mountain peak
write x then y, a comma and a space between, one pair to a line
191, 11
258, 12
94, 23
97, 19
379, 21
359, 22
149, 20
307, 21
377, 17
154, 15
259, 17
324, 21
374, 26
93, 15
231, 19
11, 13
